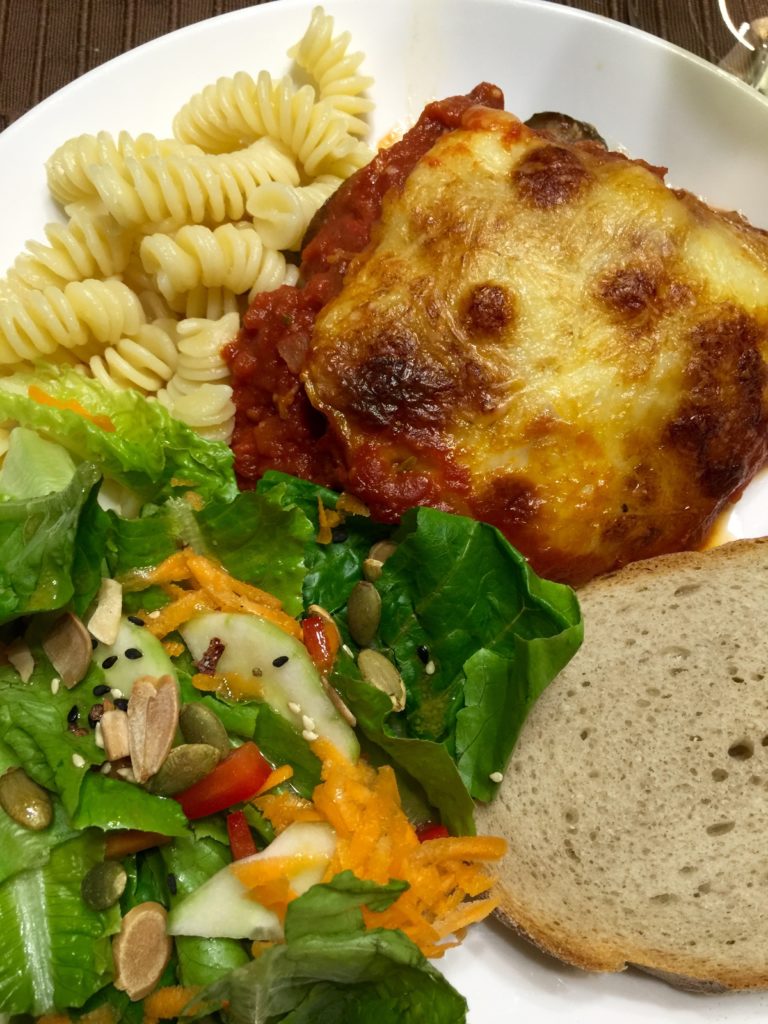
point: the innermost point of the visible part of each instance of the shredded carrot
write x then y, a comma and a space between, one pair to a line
351, 505
260, 946
229, 685
376, 841
173, 648
196, 584
168, 1002
104, 1014
276, 777
70, 405
283, 809
268, 879
327, 519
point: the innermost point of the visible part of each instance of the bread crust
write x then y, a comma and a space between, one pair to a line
690, 913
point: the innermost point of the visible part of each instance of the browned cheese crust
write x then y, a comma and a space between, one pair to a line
548, 337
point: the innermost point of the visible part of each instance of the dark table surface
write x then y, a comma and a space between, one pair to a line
44, 44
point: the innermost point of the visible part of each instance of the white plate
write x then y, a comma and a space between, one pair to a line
653, 99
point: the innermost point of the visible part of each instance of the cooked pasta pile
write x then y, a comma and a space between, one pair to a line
167, 240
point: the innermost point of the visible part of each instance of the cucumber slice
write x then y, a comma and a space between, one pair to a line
287, 676
221, 907
135, 653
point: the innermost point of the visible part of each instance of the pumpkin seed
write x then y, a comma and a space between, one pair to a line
363, 612
379, 671
382, 550
104, 884
200, 725
28, 804
184, 766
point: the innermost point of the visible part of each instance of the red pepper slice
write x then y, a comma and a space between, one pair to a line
241, 840
431, 830
322, 640
238, 777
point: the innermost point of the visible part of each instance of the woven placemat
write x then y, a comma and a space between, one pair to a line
44, 44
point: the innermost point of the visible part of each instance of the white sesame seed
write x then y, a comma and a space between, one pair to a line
127, 774
154, 615
98, 739
496, 777
348, 650
106, 768
78, 761
55, 684
308, 723
429, 668
309, 736
116, 693
294, 707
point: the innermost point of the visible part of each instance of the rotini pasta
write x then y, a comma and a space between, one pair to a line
336, 72
281, 215
206, 303
68, 170
206, 408
167, 239
145, 362
35, 323
90, 245
232, 256
235, 111
173, 191
198, 393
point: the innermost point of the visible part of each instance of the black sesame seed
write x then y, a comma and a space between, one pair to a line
136, 620
94, 643
73, 714
279, 662
121, 703
171, 881
110, 661
133, 653
100, 690
339, 534
423, 653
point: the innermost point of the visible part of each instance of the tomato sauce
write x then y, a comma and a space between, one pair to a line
275, 425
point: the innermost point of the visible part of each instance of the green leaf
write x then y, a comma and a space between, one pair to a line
33, 723
37, 547
148, 451
281, 743
34, 467
335, 907
331, 569
331, 969
23, 848
108, 803
56, 951
192, 862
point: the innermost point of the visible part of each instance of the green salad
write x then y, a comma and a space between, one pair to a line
97, 490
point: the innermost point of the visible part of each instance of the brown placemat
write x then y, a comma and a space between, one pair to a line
44, 44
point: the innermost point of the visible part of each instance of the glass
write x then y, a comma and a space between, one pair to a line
730, 33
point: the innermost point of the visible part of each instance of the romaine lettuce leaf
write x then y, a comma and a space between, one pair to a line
23, 848
192, 862
38, 539
332, 970
133, 441
56, 952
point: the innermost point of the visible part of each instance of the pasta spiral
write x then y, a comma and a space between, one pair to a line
145, 362
69, 168
91, 245
232, 256
282, 215
198, 393
175, 191
35, 323
234, 111
336, 72
205, 303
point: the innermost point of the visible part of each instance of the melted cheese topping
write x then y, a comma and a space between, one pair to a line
548, 337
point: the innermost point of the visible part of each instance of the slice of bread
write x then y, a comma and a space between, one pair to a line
636, 800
